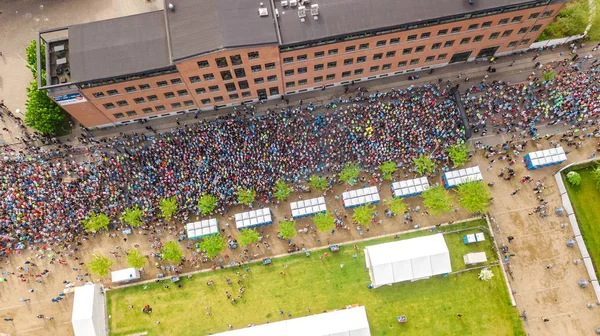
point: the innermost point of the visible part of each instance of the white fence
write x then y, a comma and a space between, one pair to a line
555, 42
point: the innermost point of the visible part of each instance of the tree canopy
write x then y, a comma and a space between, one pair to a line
248, 236
324, 221
207, 204
168, 207
437, 200
135, 258
318, 183
95, 223
574, 178
364, 214
388, 168
459, 154
287, 229
570, 21
171, 252
474, 196
246, 196
596, 176
213, 245
396, 205
349, 174
423, 164
282, 190
133, 216
31, 57
99, 265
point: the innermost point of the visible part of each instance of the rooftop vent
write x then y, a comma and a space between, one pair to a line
262, 11
293, 3
284, 3
314, 10
171, 7
301, 13
471, 2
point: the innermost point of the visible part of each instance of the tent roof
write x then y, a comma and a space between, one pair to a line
345, 322
407, 249
83, 304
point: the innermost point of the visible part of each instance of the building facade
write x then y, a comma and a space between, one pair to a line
273, 55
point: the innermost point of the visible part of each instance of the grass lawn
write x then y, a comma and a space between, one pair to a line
430, 305
585, 200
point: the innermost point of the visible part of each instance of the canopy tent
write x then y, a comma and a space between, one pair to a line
411, 259
308, 207
345, 322
253, 218
356, 198
474, 258
201, 229
457, 177
412, 187
89, 311
545, 158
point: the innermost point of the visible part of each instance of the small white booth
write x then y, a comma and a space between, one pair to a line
125, 275
89, 311
474, 258
410, 259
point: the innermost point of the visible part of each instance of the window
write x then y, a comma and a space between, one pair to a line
302, 82
361, 59
406, 51
274, 91
411, 37
214, 88
363, 46
162, 83
290, 84
395, 40
130, 89
205, 101
235, 60
195, 79
131, 113
523, 30
139, 100
218, 99
442, 56
425, 35
259, 80
319, 54
381, 43
301, 58
512, 44
144, 86
443, 32
419, 49
251, 56
182, 93
200, 91
119, 115
455, 30
147, 110
318, 79
350, 48
465, 40
256, 68
122, 103
494, 36
525, 41
176, 105
234, 96
436, 46
448, 44
246, 94
346, 74
159, 108
176, 81
226, 75
331, 65
113, 92
507, 33
516, 19
547, 13
473, 26
533, 16
503, 21
429, 59
477, 38
152, 98
98, 94
270, 66
109, 106
169, 95
221, 62
386, 66
358, 72
288, 60
401, 64
414, 61
319, 67
374, 68
302, 70
272, 78
330, 77
390, 54
243, 85
348, 61
289, 72
377, 56
203, 64
536, 28
188, 103
486, 24
208, 77
332, 52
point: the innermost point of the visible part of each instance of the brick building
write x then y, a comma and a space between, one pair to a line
200, 54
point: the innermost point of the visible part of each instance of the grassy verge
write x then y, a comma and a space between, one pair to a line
309, 282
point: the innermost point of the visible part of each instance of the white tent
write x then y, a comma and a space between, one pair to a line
89, 311
345, 322
411, 259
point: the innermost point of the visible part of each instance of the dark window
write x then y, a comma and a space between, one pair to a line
208, 77
130, 89
272, 78
301, 58
139, 100
473, 26
290, 84
205, 101
319, 54
270, 66
288, 60
503, 21
523, 30
429, 59
390, 54
302, 82
200, 91
195, 79
486, 24
188, 103
159, 108
302, 70
346, 73
419, 49
251, 55
533, 16
226, 75
109, 106
363, 46
386, 66
348, 61
162, 83
176, 81
406, 51
246, 94
289, 72
331, 65
414, 61
147, 110
332, 52
243, 85
152, 98
259, 80
98, 94
182, 93
525, 41
119, 115
477, 38
448, 44
395, 40
536, 28
547, 13
274, 91
144, 87
425, 35
465, 40
442, 32
358, 72
318, 79
374, 68
169, 95
361, 59
176, 105
221, 62
442, 56
381, 43
114, 92
234, 96
455, 30
512, 44
239, 73
377, 56
436, 46
122, 103
131, 113
517, 18
256, 68
214, 88
218, 99
235, 60
494, 36
507, 33
203, 64
350, 48
330, 77
319, 67
411, 37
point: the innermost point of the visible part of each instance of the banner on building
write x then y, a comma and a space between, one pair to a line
69, 99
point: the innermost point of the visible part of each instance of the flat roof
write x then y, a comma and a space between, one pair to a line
117, 47
339, 17
200, 26
407, 249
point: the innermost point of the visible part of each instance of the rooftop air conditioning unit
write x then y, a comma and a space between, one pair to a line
293, 3
314, 10
301, 11
284, 3
263, 12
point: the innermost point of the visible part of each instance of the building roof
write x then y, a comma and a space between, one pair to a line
200, 26
339, 17
89, 311
117, 47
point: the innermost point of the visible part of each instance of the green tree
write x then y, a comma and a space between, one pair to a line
388, 169
396, 205
31, 57
248, 236
213, 245
99, 265
133, 216
349, 174
437, 200
459, 154
574, 178
570, 21
95, 223
287, 229
364, 214
282, 190
318, 183
324, 221
171, 252
168, 207
246, 196
474, 196
135, 258
41, 112
596, 176
550, 75
423, 164
207, 204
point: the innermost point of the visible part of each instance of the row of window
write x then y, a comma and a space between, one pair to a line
142, 100
141, 87
235, 60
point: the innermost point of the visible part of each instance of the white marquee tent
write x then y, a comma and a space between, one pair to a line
411, 259
345, 322
89, 311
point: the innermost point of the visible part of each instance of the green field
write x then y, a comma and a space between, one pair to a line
431, 305
585, 199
